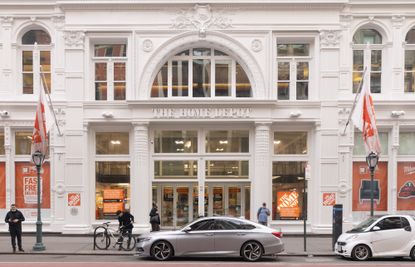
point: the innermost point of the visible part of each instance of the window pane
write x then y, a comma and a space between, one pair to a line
302, 90
119, 71
23, 142
283, 91
227, 142
183, 53
27, 61
300, 49
287, 190
220, 53
243, 85
284, 50
2, 152
302, 71
180, 79
112, 188
375, 80
410, 37
112, 143
201, 78
119, 91
101, 91
357, 77
45, 61
201, 52
283, 71
290, 143
110, 50
410, 60
406, 143
175, 169
410, 82
27, 83
36, 36
223, 72
227, 169
376, 60
100, 71
159, 88
359, 148
357, 60
175, 142
367, 36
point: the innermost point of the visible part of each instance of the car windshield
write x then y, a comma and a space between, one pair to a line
361, 227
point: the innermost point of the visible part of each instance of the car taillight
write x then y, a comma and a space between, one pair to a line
277, 234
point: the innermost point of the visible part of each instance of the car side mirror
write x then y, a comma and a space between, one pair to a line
187, 229
407, 228
376, 228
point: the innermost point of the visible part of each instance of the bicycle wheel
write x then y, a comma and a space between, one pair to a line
101, 238
128, 242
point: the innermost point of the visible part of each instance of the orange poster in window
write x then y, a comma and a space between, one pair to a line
113, 194
113, 207
26, 185
2, 185
361, 187
288, 204
406, 186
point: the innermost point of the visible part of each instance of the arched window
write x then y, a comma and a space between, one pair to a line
410, 62
201, 72
367, 53
33, 59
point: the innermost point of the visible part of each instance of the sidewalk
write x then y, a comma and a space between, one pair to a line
83, 245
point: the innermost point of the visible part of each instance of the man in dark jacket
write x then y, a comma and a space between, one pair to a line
15, 218
125, 220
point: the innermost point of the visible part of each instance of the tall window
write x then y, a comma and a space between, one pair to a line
33, 59
293, 67
367, 53
201, 73
2, 152
110, 71
410, 62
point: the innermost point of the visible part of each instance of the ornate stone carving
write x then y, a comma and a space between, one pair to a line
256, 45
7, 21
74, 39
330, 38
147, 45
201, 17
59, 21
397, 21
60, 189
343, 188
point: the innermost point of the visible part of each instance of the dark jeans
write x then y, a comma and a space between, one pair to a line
125, 232
16, 233
155, 227
264, 223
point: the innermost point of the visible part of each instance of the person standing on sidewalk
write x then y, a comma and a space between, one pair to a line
262, 214
154, 218
15, 218
126, 225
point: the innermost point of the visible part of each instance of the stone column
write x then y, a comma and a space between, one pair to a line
140, 180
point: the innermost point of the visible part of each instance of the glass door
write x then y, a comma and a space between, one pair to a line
166, 207
182, 205
218, 201
234, 201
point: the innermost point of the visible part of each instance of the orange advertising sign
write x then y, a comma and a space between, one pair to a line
406, 186
113, 207
113, 194
2, 185
288, 204
362, 187
329, 199
26, 185
74, 199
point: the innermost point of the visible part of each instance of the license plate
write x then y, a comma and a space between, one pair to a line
339, 248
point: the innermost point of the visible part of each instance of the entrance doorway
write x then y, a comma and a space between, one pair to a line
179, 202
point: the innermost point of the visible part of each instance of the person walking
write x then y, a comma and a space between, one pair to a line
154, 218
15, 218
126, 225
262, 214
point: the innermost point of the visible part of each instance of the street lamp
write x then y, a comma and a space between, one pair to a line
372, 161
38, 159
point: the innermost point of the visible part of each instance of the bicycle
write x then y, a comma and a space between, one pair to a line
104, 233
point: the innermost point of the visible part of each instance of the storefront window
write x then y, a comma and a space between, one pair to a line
112, 143
112, 189
227, 142
359, 147
175, 142
290, 143
406, 143
287, 190
216, 169
406, 186
176, 169
23, 142
2, 143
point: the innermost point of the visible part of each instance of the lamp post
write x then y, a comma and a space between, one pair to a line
372, 161
38, 159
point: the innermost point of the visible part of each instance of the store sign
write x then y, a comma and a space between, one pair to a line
113, 200
30, 189
406, 186
74, 199
2, 185
288, 204
329, 199
113, 207
201, 113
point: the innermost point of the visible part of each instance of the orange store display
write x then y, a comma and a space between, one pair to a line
406, 186
288, 204
2, 185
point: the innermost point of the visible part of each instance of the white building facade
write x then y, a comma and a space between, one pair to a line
206, 109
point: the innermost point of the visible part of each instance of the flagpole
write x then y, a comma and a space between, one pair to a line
42, 75
359, 90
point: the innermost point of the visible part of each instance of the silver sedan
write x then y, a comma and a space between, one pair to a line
213, 236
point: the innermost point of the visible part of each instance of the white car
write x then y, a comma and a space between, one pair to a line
379, 236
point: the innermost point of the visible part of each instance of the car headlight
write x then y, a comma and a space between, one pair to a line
143, 239
352, 237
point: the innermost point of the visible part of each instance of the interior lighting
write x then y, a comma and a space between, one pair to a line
116, 142
277, 142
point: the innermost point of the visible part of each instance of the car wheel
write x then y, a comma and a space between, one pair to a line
412, 253
251, 251
361, 252
161, 250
